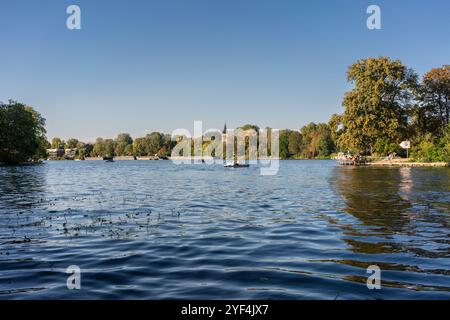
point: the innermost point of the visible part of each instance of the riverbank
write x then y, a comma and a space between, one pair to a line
21, 164
407, 163
123, 158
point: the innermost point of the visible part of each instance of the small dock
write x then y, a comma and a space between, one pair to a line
349, 160
348, 163
400, 163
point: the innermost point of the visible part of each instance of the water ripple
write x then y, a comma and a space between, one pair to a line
154, 230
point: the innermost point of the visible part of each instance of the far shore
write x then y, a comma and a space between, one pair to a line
402, 162
192, 158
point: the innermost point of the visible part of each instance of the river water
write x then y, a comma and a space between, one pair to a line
156, 230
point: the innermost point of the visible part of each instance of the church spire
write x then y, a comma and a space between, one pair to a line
225, 128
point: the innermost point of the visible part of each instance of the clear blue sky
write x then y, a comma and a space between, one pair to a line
138, 66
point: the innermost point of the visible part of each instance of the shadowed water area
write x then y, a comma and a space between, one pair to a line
155, 230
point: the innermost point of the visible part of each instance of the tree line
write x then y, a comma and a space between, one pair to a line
310, 142
388, 103
152, 144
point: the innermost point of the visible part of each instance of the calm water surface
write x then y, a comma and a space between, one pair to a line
154, 230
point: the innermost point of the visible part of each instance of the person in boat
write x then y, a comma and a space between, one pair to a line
236, 164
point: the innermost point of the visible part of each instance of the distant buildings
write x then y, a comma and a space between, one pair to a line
60, 153
55, 153
70, 153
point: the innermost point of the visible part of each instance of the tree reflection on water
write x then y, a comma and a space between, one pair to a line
398, 210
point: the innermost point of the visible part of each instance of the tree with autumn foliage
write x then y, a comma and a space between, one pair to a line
376, 110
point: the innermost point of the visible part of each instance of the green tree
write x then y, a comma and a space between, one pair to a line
325, 142
57, 143
129, 150
317, 141
433, 112
89, 148
123, 145
22, 133
445, 144
310, 140
71, 143
84, 149
98, 149
284, 143
103, 147
295, 142
378, 106
108, 148
140, 147
153, 143
250, 127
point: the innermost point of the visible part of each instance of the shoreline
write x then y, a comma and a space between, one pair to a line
395, 163
408, 164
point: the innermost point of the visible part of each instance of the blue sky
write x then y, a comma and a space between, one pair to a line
138, 66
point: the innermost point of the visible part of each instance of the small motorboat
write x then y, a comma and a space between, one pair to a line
108, 159
236, 165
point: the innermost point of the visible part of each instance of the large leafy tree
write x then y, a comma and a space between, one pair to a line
104, 147
123, 145
433, 112
57, 143
316, 140
295, 142
22, 133
284, 143
377, 108
98, 149
324, 140
154, 143
108, 148
139, 147
84, 149
71, 143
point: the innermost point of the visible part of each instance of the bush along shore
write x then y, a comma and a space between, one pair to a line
389, 103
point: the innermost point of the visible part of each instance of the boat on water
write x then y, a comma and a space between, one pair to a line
236, 165
108, 159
